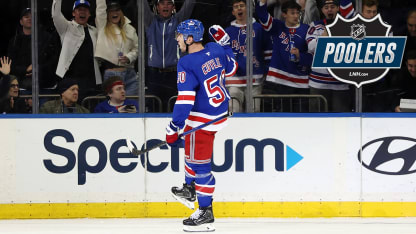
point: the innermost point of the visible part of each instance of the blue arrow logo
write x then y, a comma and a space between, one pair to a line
292, 157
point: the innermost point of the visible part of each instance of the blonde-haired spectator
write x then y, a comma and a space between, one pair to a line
117, 44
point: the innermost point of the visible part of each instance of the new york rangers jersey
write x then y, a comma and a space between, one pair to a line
262, 51
281, 69
320, 78
202, 95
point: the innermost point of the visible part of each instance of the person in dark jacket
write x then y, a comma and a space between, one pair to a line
20, 52
162, 48
10, 102
406, 81
68, 88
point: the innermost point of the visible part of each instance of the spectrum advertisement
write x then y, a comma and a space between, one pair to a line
269, 159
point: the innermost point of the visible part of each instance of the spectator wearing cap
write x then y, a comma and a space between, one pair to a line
117, 44
116, 101
20, 51
162, 47
68, 89
321, 82
78, 40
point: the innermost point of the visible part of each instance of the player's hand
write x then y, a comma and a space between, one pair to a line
218, 34
172, 136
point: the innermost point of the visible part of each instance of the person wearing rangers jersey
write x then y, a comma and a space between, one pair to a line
321, 82
262, 51
202, 97
291, 61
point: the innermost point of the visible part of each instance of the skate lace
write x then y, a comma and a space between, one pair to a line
196, 214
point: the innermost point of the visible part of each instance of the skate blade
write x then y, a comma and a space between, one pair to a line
207, 227
187, 203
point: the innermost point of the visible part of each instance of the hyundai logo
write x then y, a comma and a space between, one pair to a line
390, 155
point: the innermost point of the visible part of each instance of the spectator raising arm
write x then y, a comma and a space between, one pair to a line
59, 20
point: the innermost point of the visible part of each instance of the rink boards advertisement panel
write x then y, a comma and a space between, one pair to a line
274, 166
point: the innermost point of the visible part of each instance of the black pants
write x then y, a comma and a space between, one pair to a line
162, 83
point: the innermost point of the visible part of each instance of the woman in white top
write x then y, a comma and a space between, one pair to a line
117, 44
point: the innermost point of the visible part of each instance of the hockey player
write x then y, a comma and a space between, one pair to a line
321, 81
202, 97
290, 62
262, 51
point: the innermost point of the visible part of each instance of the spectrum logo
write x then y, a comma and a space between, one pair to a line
358, 50
285, 157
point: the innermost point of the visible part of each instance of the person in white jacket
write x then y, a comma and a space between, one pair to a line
78, 40
117, 44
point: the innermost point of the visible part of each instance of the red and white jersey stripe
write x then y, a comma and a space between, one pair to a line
186, 97
346, 9
281, 77
268, 25
320, 78
197, 118
241, 81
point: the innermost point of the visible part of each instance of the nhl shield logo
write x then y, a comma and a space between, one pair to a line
358, 31
358, 50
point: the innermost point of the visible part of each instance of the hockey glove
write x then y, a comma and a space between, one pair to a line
172, 136
218, 34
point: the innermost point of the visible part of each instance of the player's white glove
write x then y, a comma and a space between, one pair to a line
172, 135
219, 35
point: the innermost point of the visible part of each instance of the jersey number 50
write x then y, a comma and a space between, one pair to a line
215, 89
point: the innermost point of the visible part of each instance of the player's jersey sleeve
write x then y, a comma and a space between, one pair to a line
316, 29
346, 9
305, 57
187, 83
266, 20
232, 65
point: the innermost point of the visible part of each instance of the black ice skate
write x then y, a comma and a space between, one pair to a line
202, 220
185, 195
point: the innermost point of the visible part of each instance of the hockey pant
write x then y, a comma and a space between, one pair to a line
198, 155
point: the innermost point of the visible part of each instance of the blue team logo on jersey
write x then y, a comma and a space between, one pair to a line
358, 50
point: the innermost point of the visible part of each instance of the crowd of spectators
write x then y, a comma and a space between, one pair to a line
82, 44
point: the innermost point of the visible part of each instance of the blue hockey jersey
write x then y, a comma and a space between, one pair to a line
202, 95
281, 69
320, 78
262, 50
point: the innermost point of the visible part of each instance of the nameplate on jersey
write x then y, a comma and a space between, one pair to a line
359, 51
